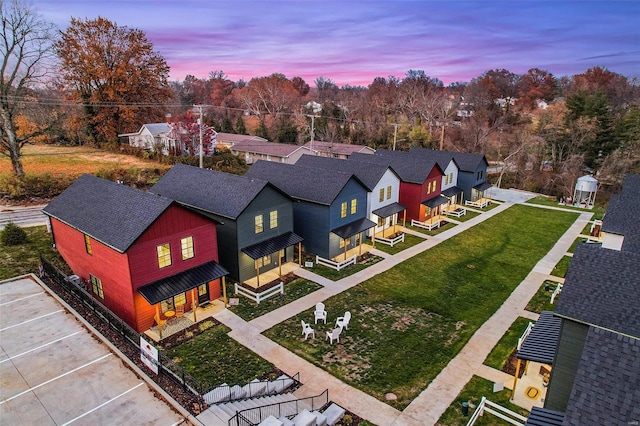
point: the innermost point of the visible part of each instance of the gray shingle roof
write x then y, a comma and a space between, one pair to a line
410, 168
369, 173
602, 288
156, 128
320, 186
469, 162
606, 388
264, 147
113, 214
443, 158
623, 214
220, 193
234, 137
337, 148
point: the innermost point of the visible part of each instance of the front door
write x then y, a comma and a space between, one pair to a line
203, 294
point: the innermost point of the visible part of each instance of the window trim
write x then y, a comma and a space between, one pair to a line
96, 286
164, 258
381, 199
188, 249
273, 219
389, 192
354, 206
87, 245
343, 210
258, 224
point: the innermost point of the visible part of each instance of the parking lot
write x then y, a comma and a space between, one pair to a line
54, 371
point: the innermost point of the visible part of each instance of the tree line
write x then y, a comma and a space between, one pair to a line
96, 80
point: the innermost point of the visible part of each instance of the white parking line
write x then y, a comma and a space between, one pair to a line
40, 347
32, 319
103, 404
56, 378
22, 298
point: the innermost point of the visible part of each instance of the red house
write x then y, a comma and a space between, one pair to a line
420, 181
140, 254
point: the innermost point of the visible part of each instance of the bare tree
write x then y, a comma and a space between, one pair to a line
25, 48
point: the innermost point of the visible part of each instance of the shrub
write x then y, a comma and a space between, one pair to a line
40, 186
13, 235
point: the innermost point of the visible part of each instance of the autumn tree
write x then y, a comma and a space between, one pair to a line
186, 132
535, 84
26, 47
114, 74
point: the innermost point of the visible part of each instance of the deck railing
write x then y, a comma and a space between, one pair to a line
524, 335
498, 411
390, 241
258, 296
556, 292
336, 265
253, 416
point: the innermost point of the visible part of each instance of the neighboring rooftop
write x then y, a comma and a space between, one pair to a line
623, 214
336, 148
304, 183
410, 168
223, 194
154, 128
113, 214
233, 138
369, 173
443, 158
602, 288
265, 147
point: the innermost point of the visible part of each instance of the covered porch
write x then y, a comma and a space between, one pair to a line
174, 297
265, 249
345, 232
432, 212
535, 355
387, 231
480, 195
454, 205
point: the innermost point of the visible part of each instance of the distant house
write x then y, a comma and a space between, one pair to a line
337, 150
420, 181
152, 136
141, 254
227, 140
255, 149
330, 208
256, 230
472, 177
381, 181
596, 376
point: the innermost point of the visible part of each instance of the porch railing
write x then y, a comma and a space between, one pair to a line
498, 411
227, 393
253, 416
390, 241
525, 335
259, 296
429, 226
336, 265
556, 292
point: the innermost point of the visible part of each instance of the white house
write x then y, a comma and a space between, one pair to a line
150, 136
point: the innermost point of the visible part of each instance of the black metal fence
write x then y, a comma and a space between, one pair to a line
253, 416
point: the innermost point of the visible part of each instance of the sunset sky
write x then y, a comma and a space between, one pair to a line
352, 42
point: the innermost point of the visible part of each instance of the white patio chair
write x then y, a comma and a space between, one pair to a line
334, 335
307, 330
343, 322
320, 313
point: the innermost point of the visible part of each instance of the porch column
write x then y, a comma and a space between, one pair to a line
394, 219
279, 264
404, 218
515, 380
224, 291
194, 303
255, 262
158, 316
360, 246
345, 248
300, 254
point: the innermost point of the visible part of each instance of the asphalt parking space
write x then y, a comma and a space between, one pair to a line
53, 371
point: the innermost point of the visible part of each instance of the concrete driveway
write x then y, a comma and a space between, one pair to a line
54, 372
514, 196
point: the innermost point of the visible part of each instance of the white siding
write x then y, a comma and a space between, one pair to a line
388, 179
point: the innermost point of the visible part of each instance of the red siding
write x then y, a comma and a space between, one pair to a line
412, 195
121, 274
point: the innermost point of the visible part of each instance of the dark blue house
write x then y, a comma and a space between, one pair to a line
255, 231
330, 207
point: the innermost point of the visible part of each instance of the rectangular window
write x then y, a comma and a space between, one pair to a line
344, 242
381, 194
343, 210
381, 221
180, 299
164, 255
429, 188
446, 179
264, 261
388, 192
167, 305
87, 244
354, 206
450, 177
273, 219
186, 245
259, 226
96, 286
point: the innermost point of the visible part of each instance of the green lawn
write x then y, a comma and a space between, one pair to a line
561, 268
409, 241
411, 320
502, 350
598, 210
473, 392
334, 275
214, 358
541, 300
25, 258
469, 215
248, 309
575, 243
443, 228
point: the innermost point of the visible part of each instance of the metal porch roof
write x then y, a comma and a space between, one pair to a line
544, 417
435, 201
389, 210
450, 192
272, 245
345, 231
165, 288
540, 345
483, 186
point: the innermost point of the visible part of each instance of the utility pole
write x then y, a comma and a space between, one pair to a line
395, 134
313, 128
200, 128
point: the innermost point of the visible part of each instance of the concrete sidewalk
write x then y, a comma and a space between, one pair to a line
433, 401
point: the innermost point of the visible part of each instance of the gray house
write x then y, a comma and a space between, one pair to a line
596, 369
330, 208
255, 234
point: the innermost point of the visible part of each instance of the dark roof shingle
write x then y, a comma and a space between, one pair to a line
113, 214
369, 173
410, 168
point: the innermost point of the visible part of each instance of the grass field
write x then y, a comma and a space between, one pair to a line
411, 320
334, 275
500, 353
409, 241
541, 301
598, 210
561, 268
73, 160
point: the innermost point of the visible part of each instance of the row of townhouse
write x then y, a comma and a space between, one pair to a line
145, 253
590, 345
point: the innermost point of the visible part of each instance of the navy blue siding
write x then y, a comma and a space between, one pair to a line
467, 180
312, 223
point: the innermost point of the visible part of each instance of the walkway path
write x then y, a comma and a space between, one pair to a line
433, 401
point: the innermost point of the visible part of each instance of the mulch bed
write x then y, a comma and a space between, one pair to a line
285, 279
510, 365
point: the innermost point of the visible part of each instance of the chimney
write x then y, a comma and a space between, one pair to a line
167, 118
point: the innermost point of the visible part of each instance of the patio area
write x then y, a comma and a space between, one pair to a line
532, 386
271, 275
177, 324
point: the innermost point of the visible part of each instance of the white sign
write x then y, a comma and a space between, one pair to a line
149, 355
308, 264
